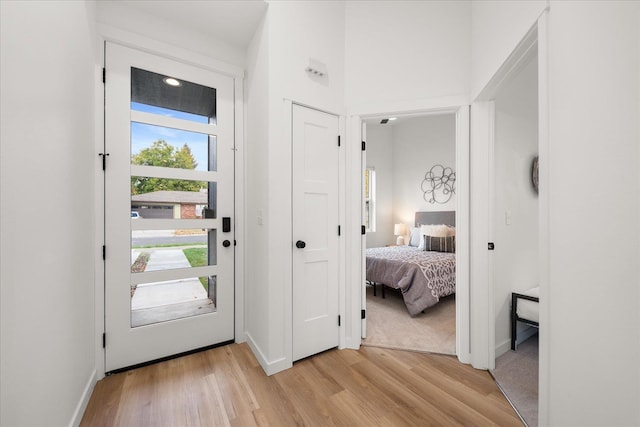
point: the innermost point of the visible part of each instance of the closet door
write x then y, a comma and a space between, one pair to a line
316, 246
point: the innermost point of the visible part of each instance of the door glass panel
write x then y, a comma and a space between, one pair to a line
154, 250
153, 145
172, 299
163, 198
172, 96
154, 198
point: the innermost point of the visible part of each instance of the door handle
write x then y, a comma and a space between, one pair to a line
300, 244
226, 243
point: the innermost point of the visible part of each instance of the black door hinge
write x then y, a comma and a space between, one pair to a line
338, 140
363, 314
104, 160
104, 75
363, 230
364, 146
104, 252
491, 246
338, 320
104, 340
338, 230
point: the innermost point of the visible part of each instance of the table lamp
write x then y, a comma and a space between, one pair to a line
399, 230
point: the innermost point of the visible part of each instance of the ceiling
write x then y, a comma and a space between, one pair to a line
232, 21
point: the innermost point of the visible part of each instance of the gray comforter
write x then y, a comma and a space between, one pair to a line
422, 276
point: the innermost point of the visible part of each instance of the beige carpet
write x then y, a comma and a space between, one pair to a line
517, 374
389, 324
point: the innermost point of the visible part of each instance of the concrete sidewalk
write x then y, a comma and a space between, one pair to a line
157, 294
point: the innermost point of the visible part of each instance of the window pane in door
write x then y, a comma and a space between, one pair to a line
163, 198
153, 250
172, 148
170, 95
172, 299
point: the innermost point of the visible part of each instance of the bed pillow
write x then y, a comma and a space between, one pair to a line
440, 230
440, 244
415, 239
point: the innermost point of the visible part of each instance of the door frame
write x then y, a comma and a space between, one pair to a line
139, 42
459, 106
482, 127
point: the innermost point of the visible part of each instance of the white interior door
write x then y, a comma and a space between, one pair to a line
315, 232
169, 207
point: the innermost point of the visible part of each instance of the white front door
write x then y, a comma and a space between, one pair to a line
315, 232
169, 206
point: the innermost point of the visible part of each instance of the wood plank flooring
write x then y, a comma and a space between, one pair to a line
226, 386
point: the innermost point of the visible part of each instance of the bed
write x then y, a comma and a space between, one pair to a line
423, 276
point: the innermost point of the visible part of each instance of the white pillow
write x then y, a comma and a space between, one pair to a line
416, 238
435, 231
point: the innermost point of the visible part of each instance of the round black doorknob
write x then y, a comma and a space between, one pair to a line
226, 243
300, 244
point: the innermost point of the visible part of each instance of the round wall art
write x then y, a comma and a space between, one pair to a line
439, 184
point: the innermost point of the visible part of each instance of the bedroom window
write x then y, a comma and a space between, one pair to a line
370, 199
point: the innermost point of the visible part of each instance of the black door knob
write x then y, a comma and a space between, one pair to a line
226, 243
300, 244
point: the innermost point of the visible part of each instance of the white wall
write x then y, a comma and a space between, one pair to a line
294, 32
496, 29
47, 215
515, 260
257, 192
419, 143
380, 157
406, 50
133, 20
594, 189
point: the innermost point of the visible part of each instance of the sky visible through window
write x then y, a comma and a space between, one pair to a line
143, 135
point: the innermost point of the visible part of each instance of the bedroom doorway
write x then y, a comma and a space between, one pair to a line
403, 150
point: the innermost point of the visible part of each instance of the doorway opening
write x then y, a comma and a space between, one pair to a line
410, 281
515, 266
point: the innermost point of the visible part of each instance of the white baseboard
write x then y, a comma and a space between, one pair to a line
269, 368
84, 400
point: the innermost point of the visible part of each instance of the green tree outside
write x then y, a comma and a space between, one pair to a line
165, 155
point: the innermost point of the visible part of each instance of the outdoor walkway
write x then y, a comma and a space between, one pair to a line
158, 294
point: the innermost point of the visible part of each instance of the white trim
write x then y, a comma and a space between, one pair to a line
450, 105
99, 274
76, 418
175, 274
173, 123
287, 212
463, 339
149, 45
354, 239
173, 173
342, 210
174, 224
239, 204
544, 155
479, 235
269, 368
491, 317
408, 107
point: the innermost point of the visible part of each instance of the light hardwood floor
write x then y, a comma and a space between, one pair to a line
373, 386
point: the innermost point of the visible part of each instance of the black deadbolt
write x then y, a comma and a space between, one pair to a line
226, 243
300, 244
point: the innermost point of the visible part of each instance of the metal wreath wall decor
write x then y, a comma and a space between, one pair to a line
439, 184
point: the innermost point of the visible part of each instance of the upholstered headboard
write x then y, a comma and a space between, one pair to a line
442, 217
